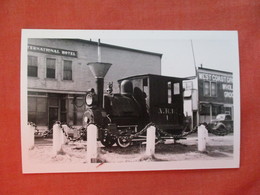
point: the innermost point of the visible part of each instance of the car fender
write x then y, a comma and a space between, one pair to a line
218, 125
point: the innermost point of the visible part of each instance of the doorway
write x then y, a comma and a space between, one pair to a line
53, 116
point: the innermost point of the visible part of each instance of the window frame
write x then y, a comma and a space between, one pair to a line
176, 88
34, 66
71, 70
169, 92
55, 67
211, 94
204, 89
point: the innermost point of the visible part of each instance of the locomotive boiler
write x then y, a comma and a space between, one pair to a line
122, 117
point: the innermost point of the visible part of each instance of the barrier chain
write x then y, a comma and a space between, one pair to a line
218, 132
184, 133
160, 131
65, 133
37, 131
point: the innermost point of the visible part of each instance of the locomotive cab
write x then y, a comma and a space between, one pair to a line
162, 97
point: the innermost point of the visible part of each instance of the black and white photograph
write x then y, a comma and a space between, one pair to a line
129, 100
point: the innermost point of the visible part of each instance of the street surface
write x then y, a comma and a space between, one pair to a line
218, 147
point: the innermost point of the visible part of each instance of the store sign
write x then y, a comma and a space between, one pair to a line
53, 51
226, 82
228, 90
215, 78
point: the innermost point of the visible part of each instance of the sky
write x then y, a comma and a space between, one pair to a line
213, 49
178, 58
181, 53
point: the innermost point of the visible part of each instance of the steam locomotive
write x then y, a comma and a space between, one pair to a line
143, 99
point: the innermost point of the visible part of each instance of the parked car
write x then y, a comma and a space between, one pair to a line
222, 122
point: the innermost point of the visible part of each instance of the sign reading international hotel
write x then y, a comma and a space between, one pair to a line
54, 51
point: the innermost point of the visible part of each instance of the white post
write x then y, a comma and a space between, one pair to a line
202, 138
92, 143
64, 139
57, 136
30, 136
150, 141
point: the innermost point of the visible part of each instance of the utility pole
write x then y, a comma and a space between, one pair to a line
197, 84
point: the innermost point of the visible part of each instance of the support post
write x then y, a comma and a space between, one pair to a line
150, 141
30, 136
92, 131
57, 139
202, 138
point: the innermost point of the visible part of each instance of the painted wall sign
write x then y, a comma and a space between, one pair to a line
223, 86
54, 51
215, 78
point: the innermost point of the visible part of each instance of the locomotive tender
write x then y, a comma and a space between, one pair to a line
143, 99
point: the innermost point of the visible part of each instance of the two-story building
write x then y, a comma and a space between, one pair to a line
210, 93
58, 75
215, 93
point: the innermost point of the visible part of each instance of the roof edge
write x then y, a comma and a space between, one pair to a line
214, 70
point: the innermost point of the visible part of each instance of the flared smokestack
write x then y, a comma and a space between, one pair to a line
99, 71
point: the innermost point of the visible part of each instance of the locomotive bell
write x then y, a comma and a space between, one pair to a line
99, 71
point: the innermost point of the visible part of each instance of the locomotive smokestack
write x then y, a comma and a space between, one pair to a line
99, 71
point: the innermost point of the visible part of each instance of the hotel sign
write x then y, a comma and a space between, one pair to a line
53, 51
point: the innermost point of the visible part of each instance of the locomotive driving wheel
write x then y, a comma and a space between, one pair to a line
123, 141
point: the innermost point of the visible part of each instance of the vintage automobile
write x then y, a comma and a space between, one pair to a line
222, 122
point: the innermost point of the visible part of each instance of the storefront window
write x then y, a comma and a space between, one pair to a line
204, 109
67, 70
50, 65
32, 66
37, 110
32, 104
216, 110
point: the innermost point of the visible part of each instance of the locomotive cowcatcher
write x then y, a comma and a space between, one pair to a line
122, 117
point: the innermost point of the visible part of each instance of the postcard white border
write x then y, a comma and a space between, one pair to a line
139, 166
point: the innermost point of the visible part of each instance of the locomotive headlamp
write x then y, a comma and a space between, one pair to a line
89, 99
